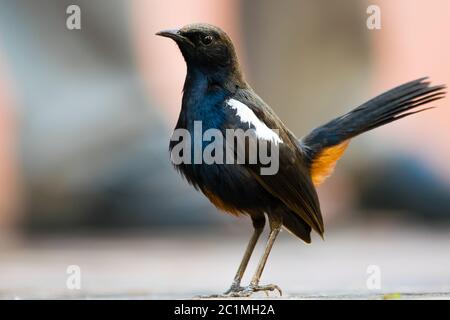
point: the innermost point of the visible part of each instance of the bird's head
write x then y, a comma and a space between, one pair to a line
206, 48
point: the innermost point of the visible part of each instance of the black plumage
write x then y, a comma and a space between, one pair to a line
288, 198
387, 107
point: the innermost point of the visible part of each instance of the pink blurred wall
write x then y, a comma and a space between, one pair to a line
9, 186
414, 41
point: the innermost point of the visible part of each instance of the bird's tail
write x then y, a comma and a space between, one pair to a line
326, 144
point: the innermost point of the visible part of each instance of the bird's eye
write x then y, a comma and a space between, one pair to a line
206, 40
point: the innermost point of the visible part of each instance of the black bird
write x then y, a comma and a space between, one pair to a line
216, 93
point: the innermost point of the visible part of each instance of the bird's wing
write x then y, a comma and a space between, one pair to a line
292, 183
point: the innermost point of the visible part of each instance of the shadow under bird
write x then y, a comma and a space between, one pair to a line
216, 94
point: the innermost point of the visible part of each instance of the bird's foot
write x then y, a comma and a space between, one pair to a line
251, 289
234, 289
237, 291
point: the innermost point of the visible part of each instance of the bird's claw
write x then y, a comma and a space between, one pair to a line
233, 290
251, 289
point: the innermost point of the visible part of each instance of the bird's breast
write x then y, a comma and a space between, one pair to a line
230, 187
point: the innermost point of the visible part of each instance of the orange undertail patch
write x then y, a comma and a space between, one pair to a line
324, 163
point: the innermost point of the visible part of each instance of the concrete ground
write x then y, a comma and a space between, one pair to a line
413, 264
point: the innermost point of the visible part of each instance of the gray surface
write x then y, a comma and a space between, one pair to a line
415, 264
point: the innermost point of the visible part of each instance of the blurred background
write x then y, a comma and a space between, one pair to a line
86, 116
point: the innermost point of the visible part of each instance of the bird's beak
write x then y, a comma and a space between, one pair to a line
172, 34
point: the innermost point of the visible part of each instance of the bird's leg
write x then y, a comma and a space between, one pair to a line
258, 224
236, 285
275, 227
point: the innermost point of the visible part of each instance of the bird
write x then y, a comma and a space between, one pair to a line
216, 93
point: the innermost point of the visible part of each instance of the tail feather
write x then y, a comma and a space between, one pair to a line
390, 106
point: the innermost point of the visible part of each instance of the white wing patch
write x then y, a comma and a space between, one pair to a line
248, 116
